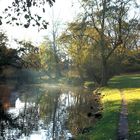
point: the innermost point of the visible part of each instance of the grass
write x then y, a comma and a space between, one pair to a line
133, 99
106, 128
125, 81
130, 85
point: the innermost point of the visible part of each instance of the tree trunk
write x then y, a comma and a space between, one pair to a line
54, 116
104, 75
57, 67
58, 71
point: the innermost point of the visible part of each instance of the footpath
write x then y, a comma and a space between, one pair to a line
123, 120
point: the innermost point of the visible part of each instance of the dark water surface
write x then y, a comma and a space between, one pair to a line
46, 112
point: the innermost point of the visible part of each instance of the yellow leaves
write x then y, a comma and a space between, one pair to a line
125, 62
92, 33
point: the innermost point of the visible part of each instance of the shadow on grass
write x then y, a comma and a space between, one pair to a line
125, 81
134, 119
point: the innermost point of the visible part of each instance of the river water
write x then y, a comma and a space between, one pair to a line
46, 112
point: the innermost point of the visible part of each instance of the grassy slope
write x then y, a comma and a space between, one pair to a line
107, 127
130, 84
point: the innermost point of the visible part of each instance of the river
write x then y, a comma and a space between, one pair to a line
46, 112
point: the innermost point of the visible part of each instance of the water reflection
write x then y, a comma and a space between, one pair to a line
48, 113
82, 114
6, 120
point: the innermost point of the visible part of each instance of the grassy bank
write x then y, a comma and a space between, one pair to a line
106, 128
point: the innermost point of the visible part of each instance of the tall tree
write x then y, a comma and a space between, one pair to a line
108, 17
29, 55
8, 56
54, 33
48, 57
110, 31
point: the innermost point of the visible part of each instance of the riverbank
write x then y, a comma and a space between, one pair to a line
107, 127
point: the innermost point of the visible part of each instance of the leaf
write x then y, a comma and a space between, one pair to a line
24, 10
7, 22
13, 4
0, 22
16, 1
38, 17
45, 26
34, 3
26, 16
29, 4
26, 25
37, 23
43, 10
6, 9
13, 18
18, 10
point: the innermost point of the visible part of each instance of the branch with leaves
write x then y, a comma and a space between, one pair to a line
20, 9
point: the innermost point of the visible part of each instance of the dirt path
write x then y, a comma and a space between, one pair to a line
123, 121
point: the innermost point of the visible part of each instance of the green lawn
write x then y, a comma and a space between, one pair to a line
106, 128
133, 99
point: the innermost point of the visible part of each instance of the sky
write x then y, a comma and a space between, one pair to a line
63, 10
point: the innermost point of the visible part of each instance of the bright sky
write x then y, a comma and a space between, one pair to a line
63, 11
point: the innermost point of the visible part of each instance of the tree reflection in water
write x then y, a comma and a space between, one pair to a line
69, 111
83, 113
13, 127
54, 114
6, 123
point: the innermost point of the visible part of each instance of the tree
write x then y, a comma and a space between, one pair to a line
77, 46
8, 56
54, 45
42, 57
84, 53
107, 19
29, 55
48, 57
24, 8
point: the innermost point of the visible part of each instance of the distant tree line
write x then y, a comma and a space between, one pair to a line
103, 41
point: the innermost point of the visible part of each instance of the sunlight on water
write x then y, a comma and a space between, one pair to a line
66, 100
49, 114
